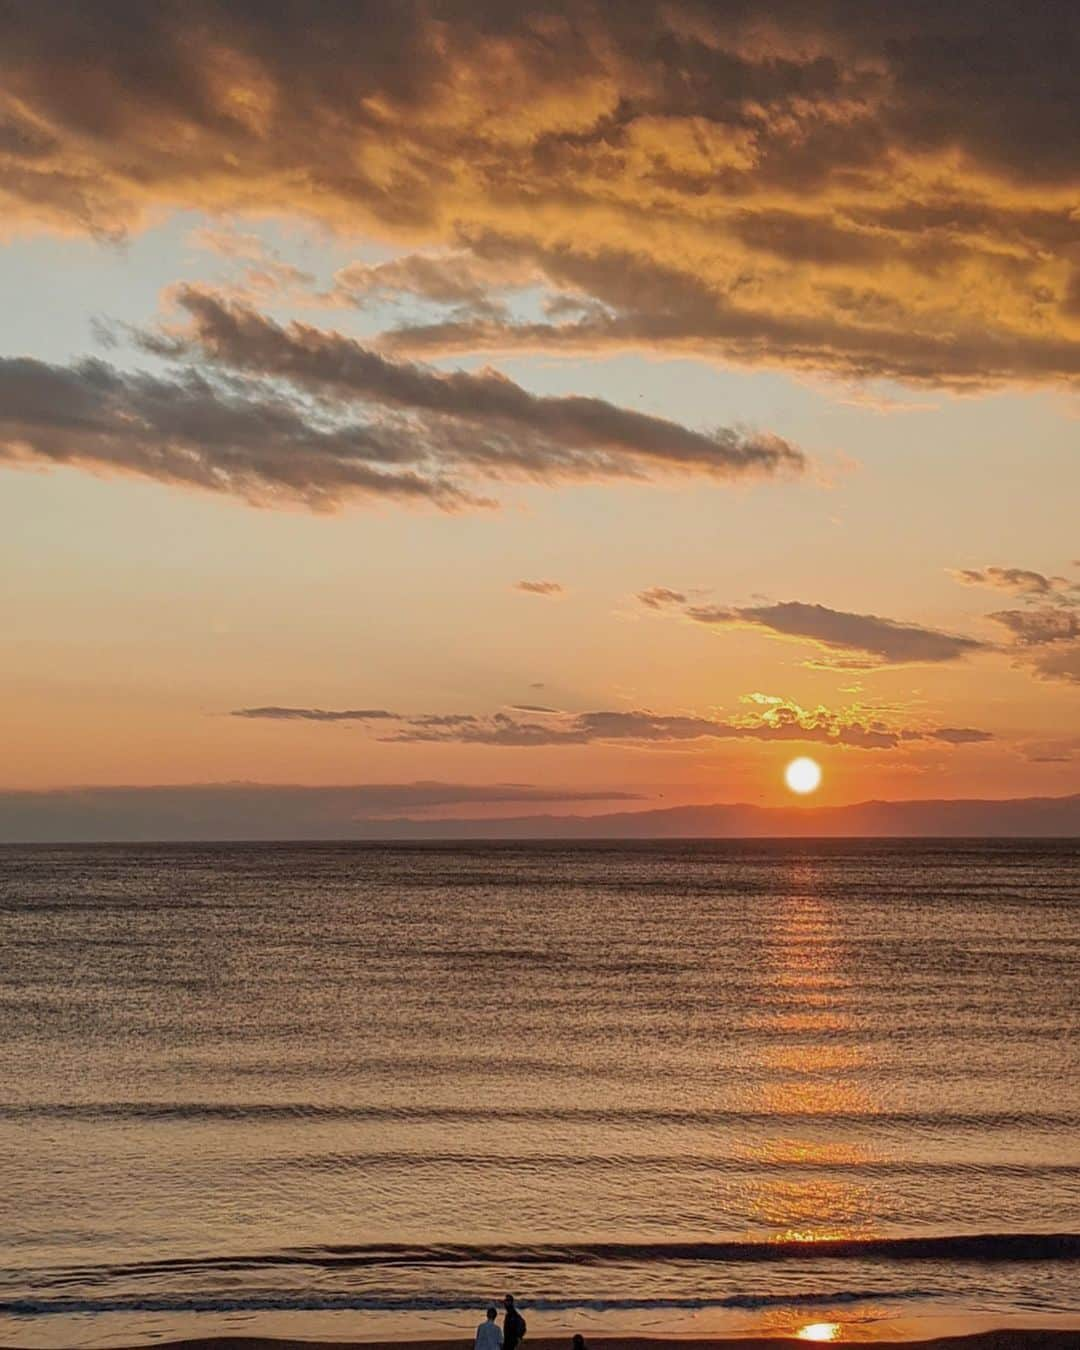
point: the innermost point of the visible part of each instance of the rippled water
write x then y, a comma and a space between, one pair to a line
357, 1091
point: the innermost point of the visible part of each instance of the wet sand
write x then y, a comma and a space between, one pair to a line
1004, 1339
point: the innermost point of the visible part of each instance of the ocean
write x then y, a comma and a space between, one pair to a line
353, 1091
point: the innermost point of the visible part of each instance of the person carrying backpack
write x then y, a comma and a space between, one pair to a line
513, 1325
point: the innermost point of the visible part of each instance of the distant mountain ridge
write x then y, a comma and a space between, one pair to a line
1022, 817
252, 812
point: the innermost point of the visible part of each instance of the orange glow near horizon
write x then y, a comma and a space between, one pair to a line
599, 593
819, 1331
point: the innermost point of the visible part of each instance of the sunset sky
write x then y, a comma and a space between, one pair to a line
540, 407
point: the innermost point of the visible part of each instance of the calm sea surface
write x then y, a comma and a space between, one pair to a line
357, 1091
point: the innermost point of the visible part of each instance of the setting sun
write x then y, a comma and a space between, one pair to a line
819, 1331
803, 775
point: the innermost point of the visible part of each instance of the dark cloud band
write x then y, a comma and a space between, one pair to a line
188, 430
530, 434
882, 640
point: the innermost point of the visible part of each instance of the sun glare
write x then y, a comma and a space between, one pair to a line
803, 775
819, 1331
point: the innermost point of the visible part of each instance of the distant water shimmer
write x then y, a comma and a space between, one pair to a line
355, 1091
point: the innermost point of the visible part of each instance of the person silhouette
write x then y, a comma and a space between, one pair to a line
513, 1325
578, 1343
488, 1335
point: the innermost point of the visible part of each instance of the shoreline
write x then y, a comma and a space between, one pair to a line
1002, 1338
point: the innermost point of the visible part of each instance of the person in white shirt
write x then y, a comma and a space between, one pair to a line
488, 1334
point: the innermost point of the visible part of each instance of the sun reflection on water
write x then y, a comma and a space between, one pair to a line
812, 1075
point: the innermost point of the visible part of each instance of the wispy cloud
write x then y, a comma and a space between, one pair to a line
1046, 638
1015, 580
470, 284
260, 272
1039, 626
1061, 662
657, 597
276, 714
1054, 750
540, 587
1046, 631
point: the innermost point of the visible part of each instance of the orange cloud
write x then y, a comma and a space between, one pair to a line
871, 191
774, 719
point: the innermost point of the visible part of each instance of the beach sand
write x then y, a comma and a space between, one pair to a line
1003, 1339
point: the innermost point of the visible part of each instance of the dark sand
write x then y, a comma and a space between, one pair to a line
987, 1340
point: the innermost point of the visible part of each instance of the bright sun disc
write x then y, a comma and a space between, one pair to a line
802, 775
819, 1331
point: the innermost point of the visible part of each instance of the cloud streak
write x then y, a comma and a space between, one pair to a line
658, 597
774, 719
1015, 580
1046, 639
1046, 632
879, 640
243, 440
277, 714
540, 587
548, 438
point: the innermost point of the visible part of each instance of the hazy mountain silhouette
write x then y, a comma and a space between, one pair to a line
269, 812
1023, 817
